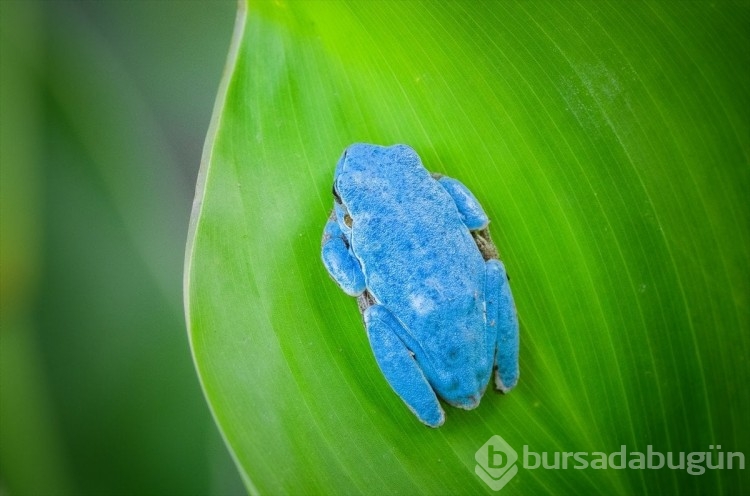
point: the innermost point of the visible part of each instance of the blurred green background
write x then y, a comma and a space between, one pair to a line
105, 107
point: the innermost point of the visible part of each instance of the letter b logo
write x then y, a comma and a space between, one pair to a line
495, 457
496, 462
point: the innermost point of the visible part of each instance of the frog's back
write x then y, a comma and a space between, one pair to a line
418, 257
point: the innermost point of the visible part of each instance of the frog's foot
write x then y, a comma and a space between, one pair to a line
502, 326
471, 211
484, 242
365, 301
400, 369
339, 261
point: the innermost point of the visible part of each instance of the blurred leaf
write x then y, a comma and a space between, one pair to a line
31, 459
609, 144
98, 394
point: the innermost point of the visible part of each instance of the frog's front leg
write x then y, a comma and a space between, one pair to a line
397, 363
339, 261
471, 211
501, 324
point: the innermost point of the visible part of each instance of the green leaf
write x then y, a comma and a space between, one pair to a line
608, 143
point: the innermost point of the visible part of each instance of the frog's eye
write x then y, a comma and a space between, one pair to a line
336, 196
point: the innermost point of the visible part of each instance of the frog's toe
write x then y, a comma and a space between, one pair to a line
507, 379
433, 418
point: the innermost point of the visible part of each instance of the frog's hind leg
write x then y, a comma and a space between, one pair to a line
468, 206
400, 369
339, 261
501, 325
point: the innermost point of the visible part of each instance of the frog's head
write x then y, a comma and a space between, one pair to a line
364, 171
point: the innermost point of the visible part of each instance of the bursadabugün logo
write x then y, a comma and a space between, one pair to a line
496, 461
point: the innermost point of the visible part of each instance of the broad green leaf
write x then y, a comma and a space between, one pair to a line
609, 144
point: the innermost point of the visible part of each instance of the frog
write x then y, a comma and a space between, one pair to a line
413, 248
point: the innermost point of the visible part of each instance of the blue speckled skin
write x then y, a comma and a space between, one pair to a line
438, 315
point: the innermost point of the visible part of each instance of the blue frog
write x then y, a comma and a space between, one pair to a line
414, 248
